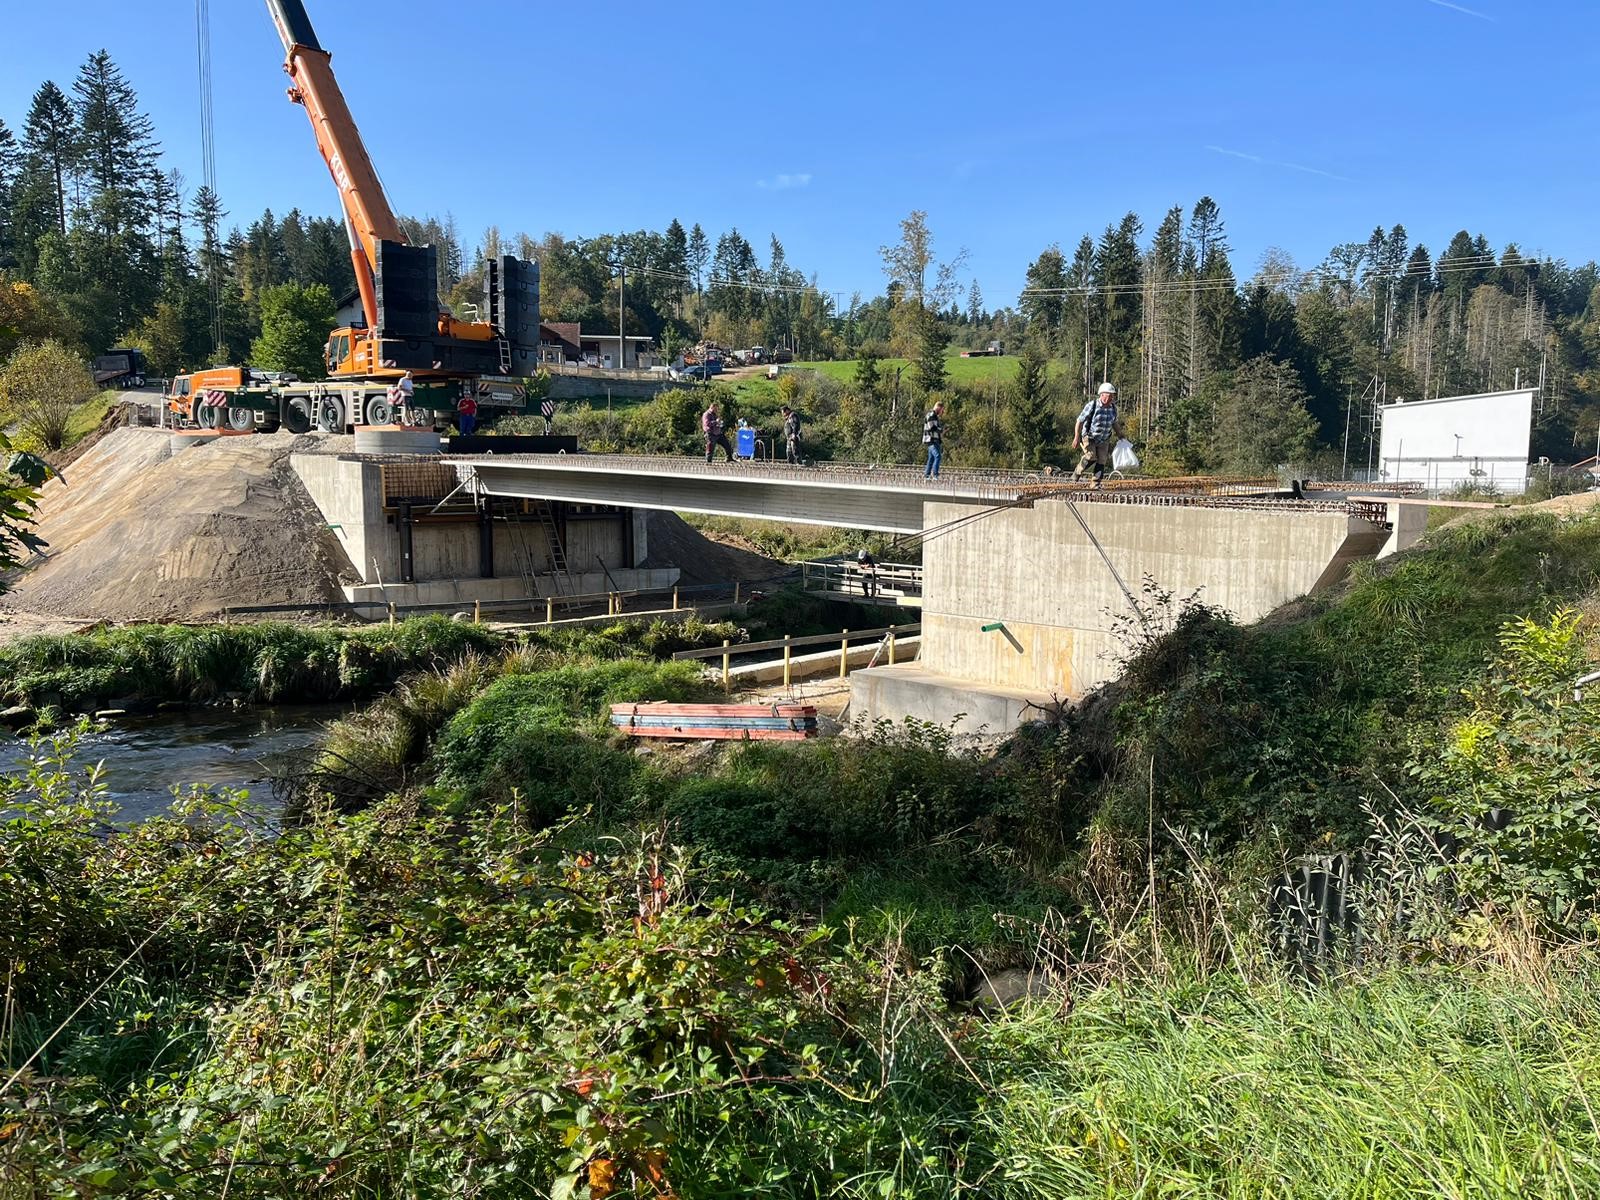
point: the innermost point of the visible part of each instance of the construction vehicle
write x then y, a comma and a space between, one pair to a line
123, 367
402, 328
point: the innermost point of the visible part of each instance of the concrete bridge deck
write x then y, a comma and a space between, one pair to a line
851, 496
886, 498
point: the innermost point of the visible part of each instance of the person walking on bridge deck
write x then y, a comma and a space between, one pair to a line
1097, 428
933, 439
711, 424
791, 436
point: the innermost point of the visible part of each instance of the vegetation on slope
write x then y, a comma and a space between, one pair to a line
529, 959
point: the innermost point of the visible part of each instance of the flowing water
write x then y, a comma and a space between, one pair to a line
146, 757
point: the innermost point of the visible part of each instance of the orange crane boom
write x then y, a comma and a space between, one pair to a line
368, 217
406, 327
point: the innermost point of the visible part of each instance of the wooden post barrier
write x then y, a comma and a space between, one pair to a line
674, 597
786, 654
891, 647
391, 612
477, 612
844, 654
549, 610
726, 685
736, 591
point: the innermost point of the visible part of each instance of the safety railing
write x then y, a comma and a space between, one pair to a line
887, 636
885, 581
616, 603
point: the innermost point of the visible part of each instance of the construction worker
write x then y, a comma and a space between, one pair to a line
933, 439
467, 413
1098, 427
547, 410
868, 566
791, 435
711, 425
408, 392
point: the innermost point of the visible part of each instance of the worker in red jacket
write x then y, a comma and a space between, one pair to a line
467, 413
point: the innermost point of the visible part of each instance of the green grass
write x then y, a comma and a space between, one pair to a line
86, 417
969, 371
1443, 1084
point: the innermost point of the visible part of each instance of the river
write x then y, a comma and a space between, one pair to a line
146, 757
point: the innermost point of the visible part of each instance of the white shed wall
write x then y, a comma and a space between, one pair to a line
1419, 443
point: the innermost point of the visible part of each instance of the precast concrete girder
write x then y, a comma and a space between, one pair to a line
849, 499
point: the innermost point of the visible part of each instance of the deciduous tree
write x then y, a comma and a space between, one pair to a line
295, 320
41, 385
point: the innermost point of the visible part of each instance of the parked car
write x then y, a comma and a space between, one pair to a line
697, 372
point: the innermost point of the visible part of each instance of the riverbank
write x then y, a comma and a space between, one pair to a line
501, 950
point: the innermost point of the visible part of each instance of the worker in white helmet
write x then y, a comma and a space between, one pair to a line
1098, 427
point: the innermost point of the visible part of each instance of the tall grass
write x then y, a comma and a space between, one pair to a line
1447, 1083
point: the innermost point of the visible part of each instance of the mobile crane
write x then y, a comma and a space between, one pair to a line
402, 328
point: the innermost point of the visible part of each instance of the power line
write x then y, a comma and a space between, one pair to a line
1315, 275
208, 155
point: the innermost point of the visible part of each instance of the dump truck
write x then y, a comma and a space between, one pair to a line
123, 368
402, 328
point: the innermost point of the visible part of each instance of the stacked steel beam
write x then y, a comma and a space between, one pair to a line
694, 722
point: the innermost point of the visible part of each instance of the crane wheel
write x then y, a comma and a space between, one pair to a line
297, 415
207, 416
380, 411
330, 414
240, 420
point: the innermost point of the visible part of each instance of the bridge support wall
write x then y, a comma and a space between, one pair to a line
1023, 602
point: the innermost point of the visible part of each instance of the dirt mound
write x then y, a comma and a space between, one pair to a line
136, 533
1578, 502
674, 542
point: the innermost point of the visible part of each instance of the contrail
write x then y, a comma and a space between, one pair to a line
1270, 162
1471, 12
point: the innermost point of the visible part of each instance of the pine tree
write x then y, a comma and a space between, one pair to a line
1078, 312
208, 214
1042, 300
1116, 269
10, 166
1032, 411
116, 145
699, 253
975, 313
50, 145
1163, 318
932, 342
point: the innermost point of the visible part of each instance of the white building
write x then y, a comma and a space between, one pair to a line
606, 350
1456, 441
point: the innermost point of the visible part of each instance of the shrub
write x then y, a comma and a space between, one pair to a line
1514, 787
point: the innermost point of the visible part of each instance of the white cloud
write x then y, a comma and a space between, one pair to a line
782, 183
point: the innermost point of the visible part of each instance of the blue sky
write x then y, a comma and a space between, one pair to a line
1013, 125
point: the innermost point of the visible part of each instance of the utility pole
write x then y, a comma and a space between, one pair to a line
622, 287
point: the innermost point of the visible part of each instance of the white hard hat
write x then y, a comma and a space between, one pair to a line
1108, 389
